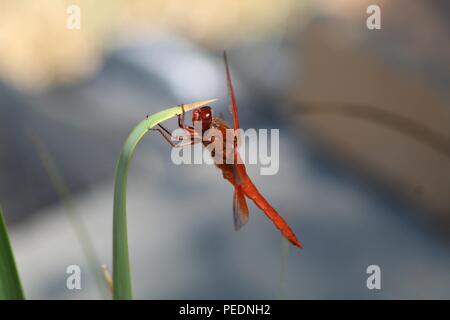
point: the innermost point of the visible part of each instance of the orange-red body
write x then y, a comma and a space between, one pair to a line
234, 171
248, 188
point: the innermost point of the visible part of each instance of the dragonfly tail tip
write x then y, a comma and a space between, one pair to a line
296, 243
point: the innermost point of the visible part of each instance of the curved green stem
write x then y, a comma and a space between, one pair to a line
121, 263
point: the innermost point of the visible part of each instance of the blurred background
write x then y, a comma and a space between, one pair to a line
364, 145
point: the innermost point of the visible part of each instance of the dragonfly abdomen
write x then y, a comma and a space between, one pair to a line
252, 193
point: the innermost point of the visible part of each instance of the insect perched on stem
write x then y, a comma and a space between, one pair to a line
234, 171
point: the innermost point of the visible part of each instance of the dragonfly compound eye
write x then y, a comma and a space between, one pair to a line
206, 113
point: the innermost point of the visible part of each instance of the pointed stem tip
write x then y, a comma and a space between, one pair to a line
195, 105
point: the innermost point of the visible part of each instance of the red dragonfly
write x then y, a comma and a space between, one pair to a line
235, 172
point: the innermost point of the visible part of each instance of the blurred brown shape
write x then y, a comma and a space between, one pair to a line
377, 118
38, 50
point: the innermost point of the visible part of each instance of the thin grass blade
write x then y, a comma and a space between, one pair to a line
10, 286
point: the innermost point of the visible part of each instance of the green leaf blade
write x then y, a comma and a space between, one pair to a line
10, 286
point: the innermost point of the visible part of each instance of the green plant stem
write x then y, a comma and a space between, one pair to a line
121, 263
10, 286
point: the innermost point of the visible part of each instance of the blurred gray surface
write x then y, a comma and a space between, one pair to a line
182, 241
183, 245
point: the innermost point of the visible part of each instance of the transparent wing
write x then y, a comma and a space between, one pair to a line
231, 94
240, 208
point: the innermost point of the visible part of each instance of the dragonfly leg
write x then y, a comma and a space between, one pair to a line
178, 138
165, 129
184, 144
190, 131
235, 150
164, 136
169, 141
181, 122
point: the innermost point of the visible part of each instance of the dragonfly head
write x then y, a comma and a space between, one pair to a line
204, 114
